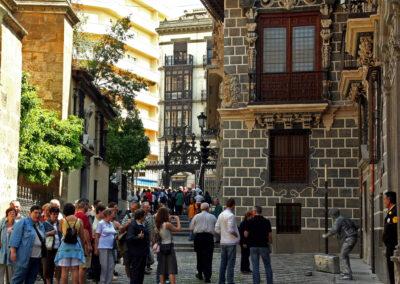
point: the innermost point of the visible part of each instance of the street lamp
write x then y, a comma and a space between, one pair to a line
202, 121
204, 149
326, 207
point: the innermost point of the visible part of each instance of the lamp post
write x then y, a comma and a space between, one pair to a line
326, 207
204, 149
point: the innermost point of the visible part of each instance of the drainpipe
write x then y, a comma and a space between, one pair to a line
372, 173
361, 215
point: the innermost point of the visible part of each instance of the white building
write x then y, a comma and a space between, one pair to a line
186, 46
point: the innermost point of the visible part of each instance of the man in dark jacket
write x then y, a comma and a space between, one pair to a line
390, 230
137, 239
347, 232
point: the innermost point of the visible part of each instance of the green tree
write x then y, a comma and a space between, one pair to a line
100, 58
47, 143
126, 143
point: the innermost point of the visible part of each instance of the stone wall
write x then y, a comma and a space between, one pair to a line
245, 161
10, 93
47, 56
235, 45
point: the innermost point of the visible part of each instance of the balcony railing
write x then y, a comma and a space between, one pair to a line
283, 87
171, 60
360, 8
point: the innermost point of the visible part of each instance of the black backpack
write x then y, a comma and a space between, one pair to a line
71, 236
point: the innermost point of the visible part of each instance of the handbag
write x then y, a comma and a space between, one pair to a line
50, 242
166, 249
42, 241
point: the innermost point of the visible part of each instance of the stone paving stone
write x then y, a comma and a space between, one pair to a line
287, 268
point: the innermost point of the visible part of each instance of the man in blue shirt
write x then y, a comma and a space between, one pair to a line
26, 244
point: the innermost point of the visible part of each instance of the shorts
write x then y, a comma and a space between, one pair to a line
88, 262
68, 262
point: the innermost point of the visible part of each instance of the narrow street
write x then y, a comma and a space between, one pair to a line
287, 268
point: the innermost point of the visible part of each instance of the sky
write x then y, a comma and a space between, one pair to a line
181, 5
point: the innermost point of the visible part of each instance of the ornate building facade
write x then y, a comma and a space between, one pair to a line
282, 117
308, 83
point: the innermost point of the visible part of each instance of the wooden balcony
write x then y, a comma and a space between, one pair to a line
289, 87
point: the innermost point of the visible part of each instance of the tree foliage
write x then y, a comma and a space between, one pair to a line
47, 143
126, 143
100, 58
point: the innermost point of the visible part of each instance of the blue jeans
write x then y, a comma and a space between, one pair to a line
255, 254
228, 259
26, 275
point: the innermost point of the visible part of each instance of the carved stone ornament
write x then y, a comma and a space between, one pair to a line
270, 120
391, 49
354, 91
288, 4
365, 51
229, 92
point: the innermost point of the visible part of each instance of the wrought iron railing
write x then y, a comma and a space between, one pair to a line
29, 197
295, 86
171, 60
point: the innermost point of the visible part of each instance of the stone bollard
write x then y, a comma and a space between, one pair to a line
327, 263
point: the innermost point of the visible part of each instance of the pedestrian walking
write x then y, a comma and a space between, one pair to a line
166, 257
53, 241
6, 228
123, 247
70, 254
138, 242
390, 231
179, 202
26, 247
81, 213
347, 232
258, 233
244, 248
105, 238
96, 267
203, 227
149, 225
226, 226
17, 206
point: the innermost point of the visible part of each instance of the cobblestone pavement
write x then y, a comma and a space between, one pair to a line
287, 268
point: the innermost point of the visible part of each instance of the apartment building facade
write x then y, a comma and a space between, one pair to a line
141, 59
185, 50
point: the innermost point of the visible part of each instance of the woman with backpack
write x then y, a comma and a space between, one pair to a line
104, 246
70, 254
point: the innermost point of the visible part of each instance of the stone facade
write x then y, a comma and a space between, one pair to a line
47, 58
246, 166
11, 34
247, 124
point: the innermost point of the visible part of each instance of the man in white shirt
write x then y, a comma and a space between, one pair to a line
226, 226
203, 225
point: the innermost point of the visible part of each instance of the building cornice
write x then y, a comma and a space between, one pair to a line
355, 27
11, 22
48, 6
185, 26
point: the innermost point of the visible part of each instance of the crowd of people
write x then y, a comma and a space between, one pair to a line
86, 241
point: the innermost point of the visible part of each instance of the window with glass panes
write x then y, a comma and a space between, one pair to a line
289, 42
289, 151
177, 116
178, 83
